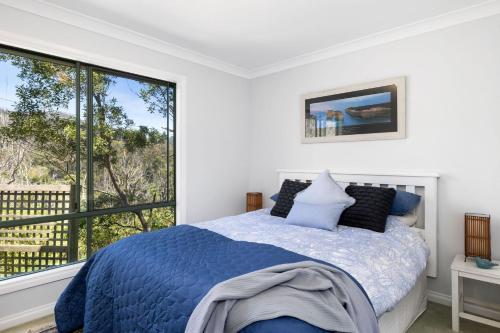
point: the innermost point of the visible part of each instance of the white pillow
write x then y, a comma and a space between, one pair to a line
324, 190
408, 219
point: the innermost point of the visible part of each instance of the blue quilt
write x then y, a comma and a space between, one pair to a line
151, 282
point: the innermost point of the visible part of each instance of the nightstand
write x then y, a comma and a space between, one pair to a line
461, 269
254, 201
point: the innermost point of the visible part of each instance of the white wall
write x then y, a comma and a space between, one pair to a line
453, 122
216, 131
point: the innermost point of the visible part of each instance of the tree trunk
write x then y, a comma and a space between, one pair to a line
107, 165
123, 195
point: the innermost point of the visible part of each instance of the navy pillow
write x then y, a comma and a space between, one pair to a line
404, 203
289, 190
371, 209
274, 197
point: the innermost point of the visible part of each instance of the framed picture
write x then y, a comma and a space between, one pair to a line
370, 111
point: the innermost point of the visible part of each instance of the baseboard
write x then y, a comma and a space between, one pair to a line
471, 305
26, 316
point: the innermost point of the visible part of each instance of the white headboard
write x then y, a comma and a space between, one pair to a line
424, 184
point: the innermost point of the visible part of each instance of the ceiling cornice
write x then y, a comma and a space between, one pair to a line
485, 9
60, 14
57, 13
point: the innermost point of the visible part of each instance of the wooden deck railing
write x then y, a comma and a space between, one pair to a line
34, 247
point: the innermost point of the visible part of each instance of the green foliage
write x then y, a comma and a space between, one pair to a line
159, 99
112, 228
45, 88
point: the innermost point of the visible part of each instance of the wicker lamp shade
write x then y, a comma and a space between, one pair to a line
254, 201
477, 236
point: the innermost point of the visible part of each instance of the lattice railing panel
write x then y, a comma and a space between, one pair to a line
33, 247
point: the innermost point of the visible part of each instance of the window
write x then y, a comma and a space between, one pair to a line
87, 156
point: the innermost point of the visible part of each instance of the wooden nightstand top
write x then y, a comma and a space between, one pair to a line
469, 267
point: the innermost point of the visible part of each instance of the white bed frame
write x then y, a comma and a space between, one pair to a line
424, 184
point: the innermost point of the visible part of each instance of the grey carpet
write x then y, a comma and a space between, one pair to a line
437, 319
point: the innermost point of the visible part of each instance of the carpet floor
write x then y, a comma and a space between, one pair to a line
436, 319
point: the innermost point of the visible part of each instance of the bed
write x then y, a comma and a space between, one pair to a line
128, 284
414, 303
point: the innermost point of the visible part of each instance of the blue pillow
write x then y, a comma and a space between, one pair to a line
404, 203
274, 197
320, 216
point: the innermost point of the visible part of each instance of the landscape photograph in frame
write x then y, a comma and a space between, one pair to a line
371, 111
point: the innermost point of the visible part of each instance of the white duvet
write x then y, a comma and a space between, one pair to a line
387, 265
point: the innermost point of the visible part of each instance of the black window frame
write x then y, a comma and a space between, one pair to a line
90, 212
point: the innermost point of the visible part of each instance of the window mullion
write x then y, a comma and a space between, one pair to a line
90, 153
174, 158
76, 206
168, 142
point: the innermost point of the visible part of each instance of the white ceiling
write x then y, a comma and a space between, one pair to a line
255, 34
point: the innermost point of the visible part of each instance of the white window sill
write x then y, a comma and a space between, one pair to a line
37, 279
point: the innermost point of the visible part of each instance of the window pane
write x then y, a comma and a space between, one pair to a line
108, 229
37, 161
132, 141
37, 137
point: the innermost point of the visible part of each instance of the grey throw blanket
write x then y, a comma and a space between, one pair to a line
318, 294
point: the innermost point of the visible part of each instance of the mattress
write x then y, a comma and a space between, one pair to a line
387, 265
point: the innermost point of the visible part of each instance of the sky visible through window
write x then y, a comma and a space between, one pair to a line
8, 85
126, 92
